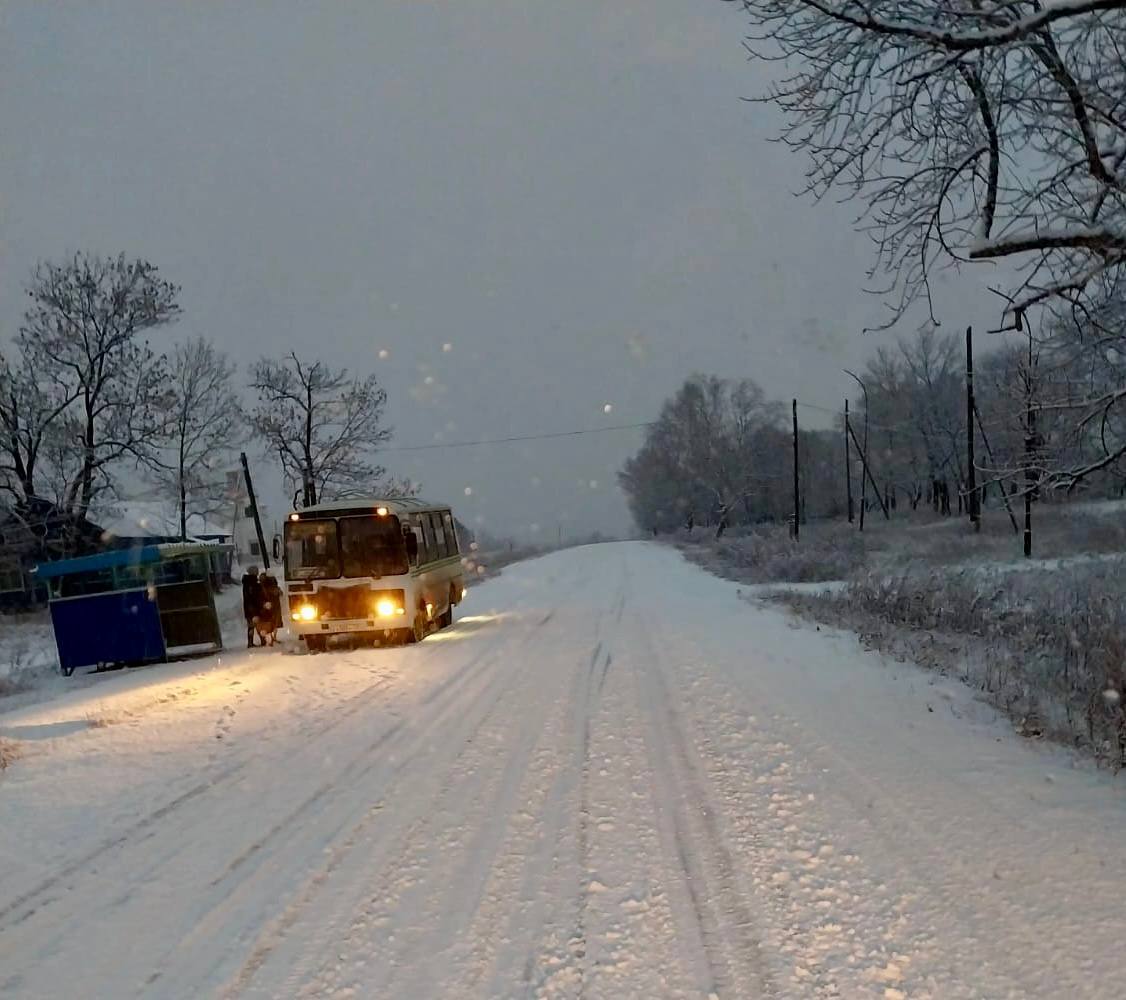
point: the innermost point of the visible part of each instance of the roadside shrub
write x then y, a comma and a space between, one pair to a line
27, 655
770, 555
483, 565
1052, 644
9, 753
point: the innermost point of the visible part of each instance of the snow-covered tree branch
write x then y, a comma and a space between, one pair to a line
968, 130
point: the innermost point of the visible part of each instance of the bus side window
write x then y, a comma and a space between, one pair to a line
429, 553
412, 539
440, 536
451, 532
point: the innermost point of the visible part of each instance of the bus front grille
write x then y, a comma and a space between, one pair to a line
353, 602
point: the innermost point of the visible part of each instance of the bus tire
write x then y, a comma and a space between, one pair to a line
316, 643
418, 632
446, 618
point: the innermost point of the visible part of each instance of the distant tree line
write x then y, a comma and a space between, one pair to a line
1047, 422
1047, 418
86, 398
720, 454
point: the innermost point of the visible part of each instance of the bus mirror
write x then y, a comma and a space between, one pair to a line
411, 540
277, 547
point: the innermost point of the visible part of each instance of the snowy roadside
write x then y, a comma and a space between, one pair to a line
1046, 648
835, 550
29, 665
29, 668
27, 653
1043, 640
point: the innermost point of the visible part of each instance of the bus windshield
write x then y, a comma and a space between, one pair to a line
311, 550
372, 546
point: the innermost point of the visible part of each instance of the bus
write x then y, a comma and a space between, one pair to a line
386, 570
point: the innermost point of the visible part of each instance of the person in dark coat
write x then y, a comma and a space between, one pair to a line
251, 603
271, 599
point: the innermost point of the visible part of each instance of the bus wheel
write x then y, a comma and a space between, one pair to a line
316, 643
418, 632
446, 618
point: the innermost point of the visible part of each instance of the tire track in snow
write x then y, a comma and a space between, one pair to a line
516, 899
592, 689
491, 792
723, 925
512, 964
581, 707
275, 930
586, 703
840, 921
467, 890
448, 709
568, 956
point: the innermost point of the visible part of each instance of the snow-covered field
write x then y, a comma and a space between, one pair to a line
613, 778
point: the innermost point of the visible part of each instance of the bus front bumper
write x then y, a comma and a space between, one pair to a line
338, 626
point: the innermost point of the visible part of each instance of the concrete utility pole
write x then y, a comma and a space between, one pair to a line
972, 498
989, 452
254, 512
797, 496
848, 464
1029, 446
871, 478
864, 450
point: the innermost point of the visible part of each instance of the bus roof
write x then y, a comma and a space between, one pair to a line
360, 505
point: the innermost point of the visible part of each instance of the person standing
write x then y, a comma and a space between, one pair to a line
271, 599
251, 603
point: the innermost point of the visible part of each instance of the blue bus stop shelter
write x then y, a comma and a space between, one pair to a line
132, 606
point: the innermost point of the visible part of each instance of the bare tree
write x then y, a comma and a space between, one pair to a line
917, 413
971, 130
1081, 397
207, 423
30, 411
324, 426
82, 336
714, 452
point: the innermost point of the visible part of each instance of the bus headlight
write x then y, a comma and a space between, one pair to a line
385, 608
305, 613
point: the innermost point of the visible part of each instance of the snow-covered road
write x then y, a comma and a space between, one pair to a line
615, 777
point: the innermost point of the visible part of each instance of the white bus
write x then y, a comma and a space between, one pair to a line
387, 569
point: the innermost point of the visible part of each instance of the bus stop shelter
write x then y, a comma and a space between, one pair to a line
132, 606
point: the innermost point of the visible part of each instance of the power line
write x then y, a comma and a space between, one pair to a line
518, 437
156, 492
907, 423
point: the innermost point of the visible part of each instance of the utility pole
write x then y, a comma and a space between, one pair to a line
993, 462
254, 512
1029, 443
871, 478
864, 450
975, 507
797, 496
848, 464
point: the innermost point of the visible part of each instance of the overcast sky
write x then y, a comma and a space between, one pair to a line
572, 196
